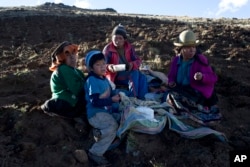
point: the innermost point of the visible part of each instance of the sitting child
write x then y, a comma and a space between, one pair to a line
66, 83
101, 106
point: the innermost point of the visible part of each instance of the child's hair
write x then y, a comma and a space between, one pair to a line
92, 57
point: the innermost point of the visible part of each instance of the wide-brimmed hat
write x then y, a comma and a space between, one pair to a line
186, 38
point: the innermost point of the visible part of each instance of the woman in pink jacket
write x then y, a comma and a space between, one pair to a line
123, 64
190, 71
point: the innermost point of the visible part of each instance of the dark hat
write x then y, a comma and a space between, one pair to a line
58, 55
120, 30
186, 38
59, 49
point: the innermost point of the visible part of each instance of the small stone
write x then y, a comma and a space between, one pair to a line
81, 156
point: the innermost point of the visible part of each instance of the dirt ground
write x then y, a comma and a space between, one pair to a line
30, 138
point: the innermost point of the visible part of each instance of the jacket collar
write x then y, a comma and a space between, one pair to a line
91, 73
113, 48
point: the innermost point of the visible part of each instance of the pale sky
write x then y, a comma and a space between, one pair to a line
192, 8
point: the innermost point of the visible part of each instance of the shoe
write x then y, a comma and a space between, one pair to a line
51, 114
43, 107
99, 160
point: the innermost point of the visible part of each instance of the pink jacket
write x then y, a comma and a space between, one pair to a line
112, 57
200, 64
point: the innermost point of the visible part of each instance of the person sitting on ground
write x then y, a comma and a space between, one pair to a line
102, 108
157, 80
120, 53
66, 84
190, 71
157, 83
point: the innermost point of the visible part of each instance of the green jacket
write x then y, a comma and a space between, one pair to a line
67, 83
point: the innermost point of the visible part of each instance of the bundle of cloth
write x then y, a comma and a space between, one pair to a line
151, 117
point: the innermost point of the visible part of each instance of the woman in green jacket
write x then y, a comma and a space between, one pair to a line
66, 83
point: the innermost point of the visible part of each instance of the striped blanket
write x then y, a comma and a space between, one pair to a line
135, 119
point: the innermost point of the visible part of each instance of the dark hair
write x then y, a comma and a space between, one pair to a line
95, 58
59, 48
177, 50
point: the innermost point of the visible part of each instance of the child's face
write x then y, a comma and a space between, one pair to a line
118, 40
71, 59
99, 68
71, 55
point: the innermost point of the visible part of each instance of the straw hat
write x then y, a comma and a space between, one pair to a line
186, 38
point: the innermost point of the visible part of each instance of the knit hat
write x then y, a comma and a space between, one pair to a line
120, 30
186, 38
58, 55
89, 56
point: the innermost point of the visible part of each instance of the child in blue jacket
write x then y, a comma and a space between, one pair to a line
100, 106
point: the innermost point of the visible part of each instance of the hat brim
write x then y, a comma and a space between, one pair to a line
187, 44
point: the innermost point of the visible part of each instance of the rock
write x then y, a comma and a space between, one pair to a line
81, 156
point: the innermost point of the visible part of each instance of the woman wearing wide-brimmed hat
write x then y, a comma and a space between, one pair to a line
190, 70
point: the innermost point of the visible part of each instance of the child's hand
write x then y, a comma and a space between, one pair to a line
116, 98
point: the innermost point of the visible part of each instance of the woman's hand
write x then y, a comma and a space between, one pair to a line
198, 76
111, 68
172, 84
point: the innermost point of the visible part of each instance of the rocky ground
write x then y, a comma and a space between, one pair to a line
30, 138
